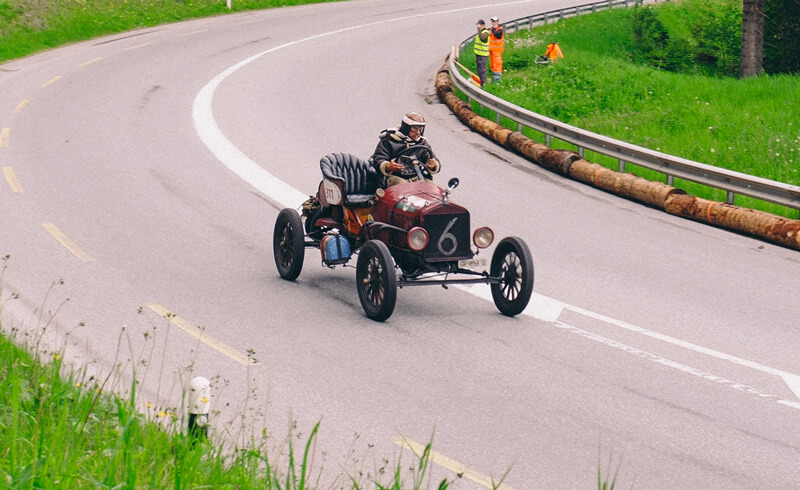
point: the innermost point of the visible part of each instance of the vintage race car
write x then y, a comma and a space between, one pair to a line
408, 234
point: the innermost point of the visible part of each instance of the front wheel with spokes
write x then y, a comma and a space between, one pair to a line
512, 263
376, 280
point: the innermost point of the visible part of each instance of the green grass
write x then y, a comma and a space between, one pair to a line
67, 430
29, 26
750, 126
69, 433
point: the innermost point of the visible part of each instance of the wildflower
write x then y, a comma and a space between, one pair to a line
712, 150
57, 357
77, 385
149, 405
161, 414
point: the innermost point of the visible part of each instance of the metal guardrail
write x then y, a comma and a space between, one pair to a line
671, 166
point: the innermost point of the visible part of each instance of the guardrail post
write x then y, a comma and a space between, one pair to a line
669, 166
580, 151
731, 197
621, 166
199, 404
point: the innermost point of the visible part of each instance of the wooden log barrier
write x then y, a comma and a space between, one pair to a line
766, 226
628, 185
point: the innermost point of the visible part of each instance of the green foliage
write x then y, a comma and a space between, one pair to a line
693, 36
28, 26
68, 433
781, 34
750, 126
651, 41
7, 15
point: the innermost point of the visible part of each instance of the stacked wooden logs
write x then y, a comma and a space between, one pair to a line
774, 229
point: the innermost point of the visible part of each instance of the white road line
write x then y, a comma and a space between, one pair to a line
675, 365
273, 188
282, 194
549, 310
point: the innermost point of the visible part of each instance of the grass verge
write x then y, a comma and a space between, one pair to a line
29, 26
750, 126
69, 432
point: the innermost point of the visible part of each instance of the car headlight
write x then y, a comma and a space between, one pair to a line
417, 238
483, 237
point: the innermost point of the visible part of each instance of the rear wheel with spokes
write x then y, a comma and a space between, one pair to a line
288, 244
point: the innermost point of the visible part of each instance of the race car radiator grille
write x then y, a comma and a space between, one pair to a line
449, 237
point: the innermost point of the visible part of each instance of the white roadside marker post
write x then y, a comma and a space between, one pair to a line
199, 404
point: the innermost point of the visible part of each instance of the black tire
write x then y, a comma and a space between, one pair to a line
314, 232
513, 264
288, 244
376, 280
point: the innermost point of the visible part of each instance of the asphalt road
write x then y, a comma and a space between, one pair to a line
143, 173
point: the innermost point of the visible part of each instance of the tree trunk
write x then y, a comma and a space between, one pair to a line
752, 38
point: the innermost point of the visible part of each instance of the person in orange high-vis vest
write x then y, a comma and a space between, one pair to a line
497, 41
553, 52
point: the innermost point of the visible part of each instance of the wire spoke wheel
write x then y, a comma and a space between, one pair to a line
376, 280
512, 264
288, 244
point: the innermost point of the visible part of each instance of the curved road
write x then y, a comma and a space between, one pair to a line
142, 176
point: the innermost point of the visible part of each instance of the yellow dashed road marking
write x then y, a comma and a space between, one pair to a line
89, 62
450, 464
64, 240
21, 106
198, 333
5, 135
11, 178
51, 81
138, 46
193, 33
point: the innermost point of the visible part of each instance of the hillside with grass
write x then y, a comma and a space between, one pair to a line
682, 99
29, 26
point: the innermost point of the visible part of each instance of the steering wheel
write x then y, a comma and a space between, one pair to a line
412, 164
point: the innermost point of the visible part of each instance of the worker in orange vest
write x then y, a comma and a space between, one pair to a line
553, 52
497, 41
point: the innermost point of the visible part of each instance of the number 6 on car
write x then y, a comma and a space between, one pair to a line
405, 235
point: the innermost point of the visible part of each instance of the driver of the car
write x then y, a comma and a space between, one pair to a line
403, 139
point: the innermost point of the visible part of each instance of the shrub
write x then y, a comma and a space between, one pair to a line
695, 36
782, 30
